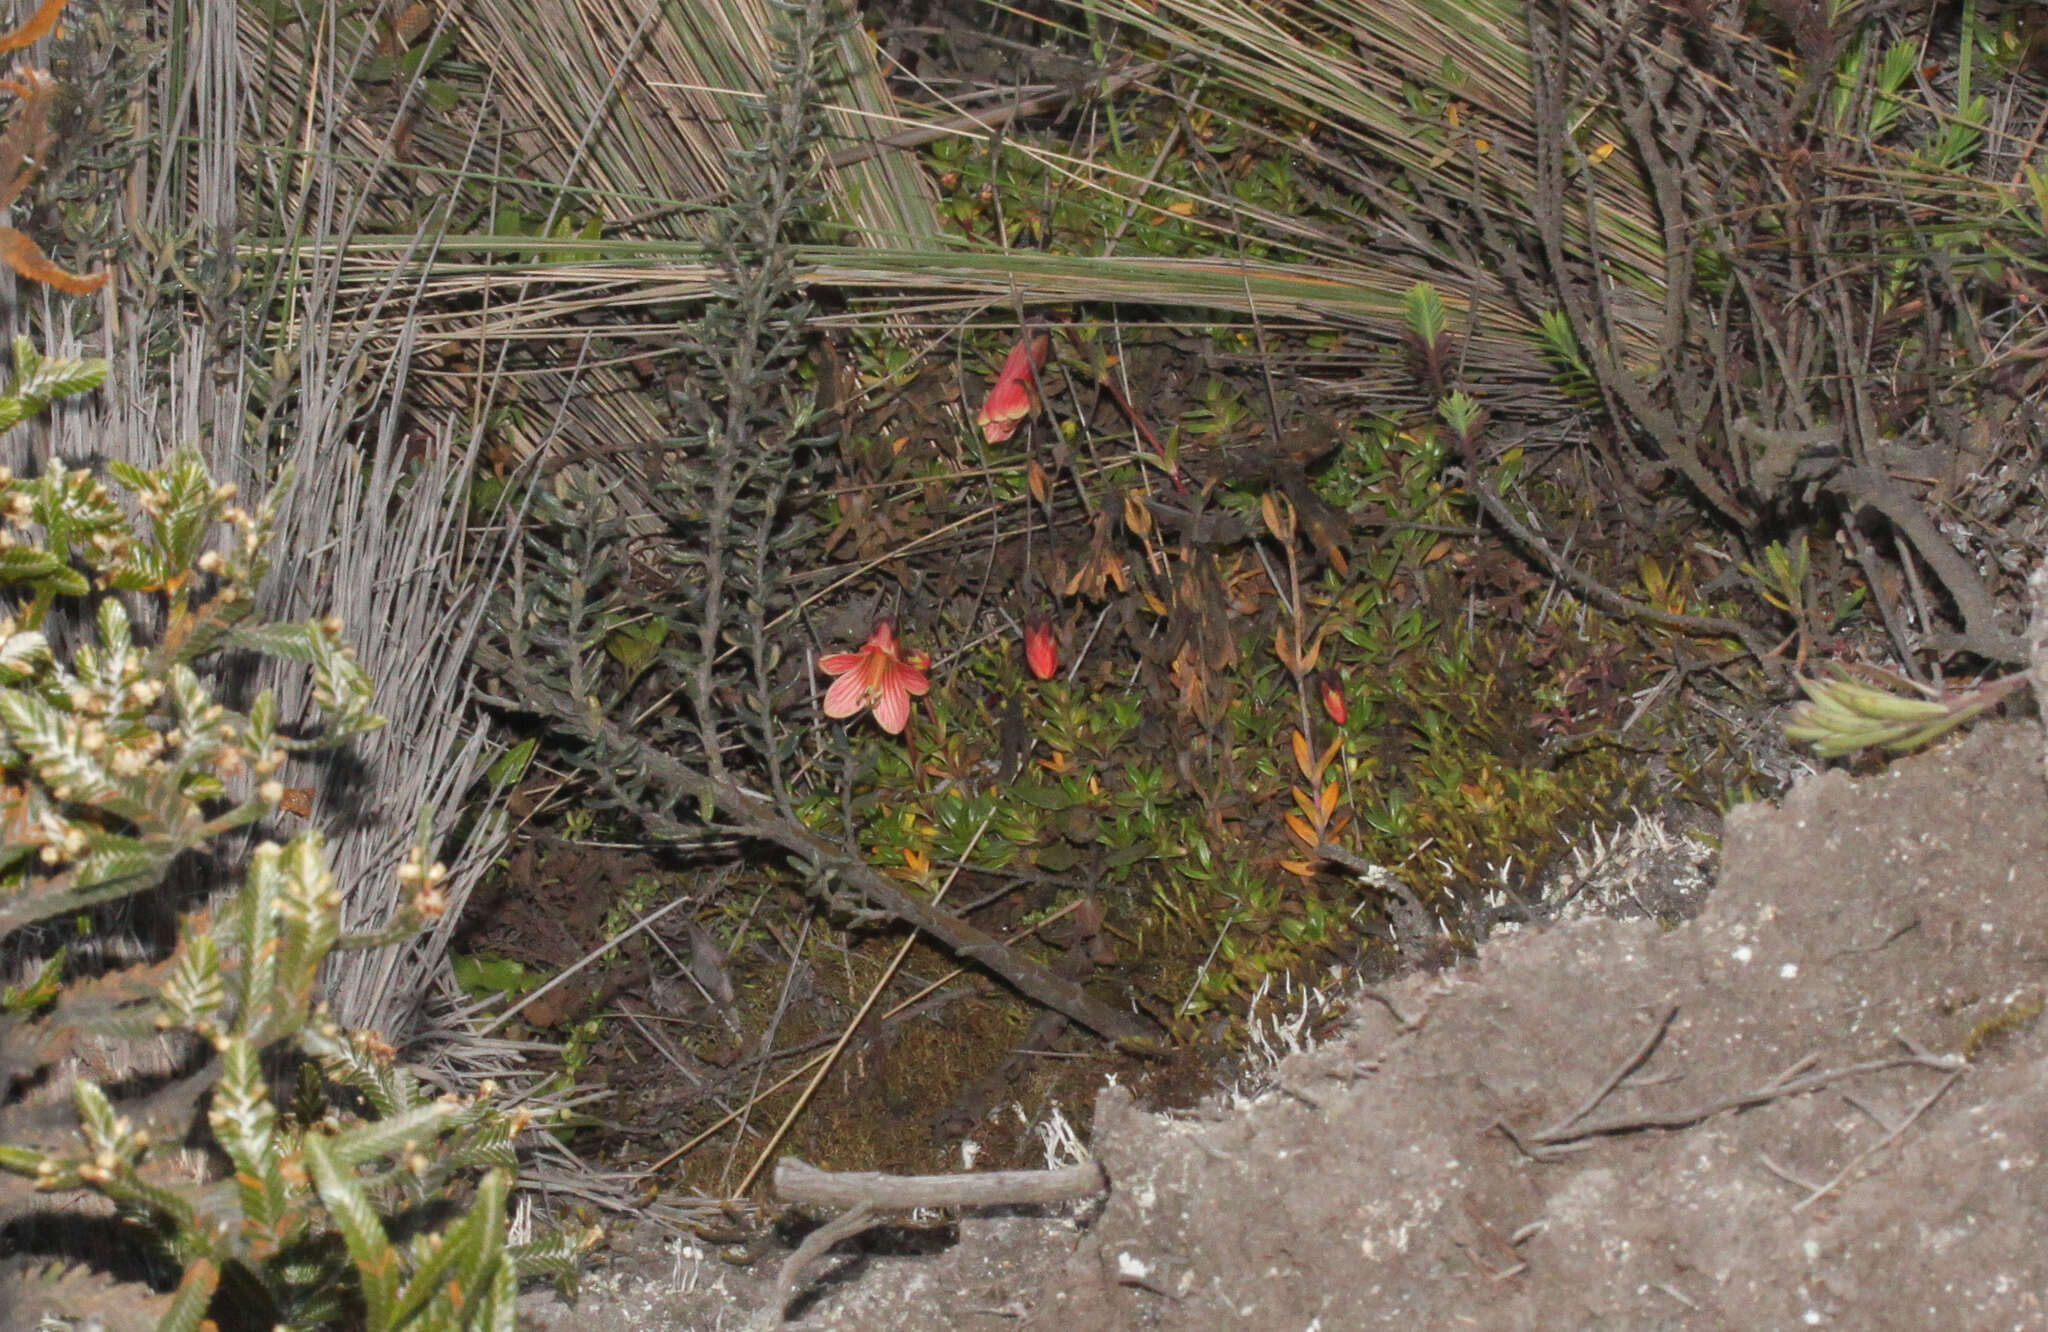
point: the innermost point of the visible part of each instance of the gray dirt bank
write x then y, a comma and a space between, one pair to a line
1842, 1124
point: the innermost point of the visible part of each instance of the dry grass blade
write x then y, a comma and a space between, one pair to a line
643, 110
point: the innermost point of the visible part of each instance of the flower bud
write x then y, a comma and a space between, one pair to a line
1331, 686
1041, 649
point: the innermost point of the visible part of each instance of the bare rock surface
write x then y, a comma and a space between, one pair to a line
1823, 1103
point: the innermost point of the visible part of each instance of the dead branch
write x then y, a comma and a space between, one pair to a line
1982, 633
804, 1184
1887, 1140
1574, 1128
789, 1280
1599, 593
1606, 1089
752, 815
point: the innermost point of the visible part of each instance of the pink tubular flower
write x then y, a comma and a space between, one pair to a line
880, 676
1014, 395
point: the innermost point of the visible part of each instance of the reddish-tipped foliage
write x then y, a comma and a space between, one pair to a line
1041, 649
1014, 395
881, 676
22, 149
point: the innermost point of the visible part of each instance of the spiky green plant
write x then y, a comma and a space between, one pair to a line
375, 1200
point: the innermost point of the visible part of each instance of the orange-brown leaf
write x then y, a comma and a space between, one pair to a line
39, 26
1301, 757
1307, 661
1332, 686
1040, 483
1307, 803
1301, 829
1329, 801
26, 257
409, 25
1279, 520
1136, 516
1041, 648
28, 138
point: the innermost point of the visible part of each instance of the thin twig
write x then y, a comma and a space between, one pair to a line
1778, 1089
804, 1184
1561, 1130
1882, 1143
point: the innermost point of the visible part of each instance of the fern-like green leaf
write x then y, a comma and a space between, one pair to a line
1427, 319
196, 993
362, 1230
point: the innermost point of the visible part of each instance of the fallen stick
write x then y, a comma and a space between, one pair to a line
800, 1182
789, 1281
754, 815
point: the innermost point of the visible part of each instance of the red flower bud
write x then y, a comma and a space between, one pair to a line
1041, 649
1331, 685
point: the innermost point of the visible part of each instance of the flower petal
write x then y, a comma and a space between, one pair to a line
847, 696
892, 706
912, 680
839, 663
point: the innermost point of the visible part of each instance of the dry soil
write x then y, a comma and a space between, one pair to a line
1821, 1103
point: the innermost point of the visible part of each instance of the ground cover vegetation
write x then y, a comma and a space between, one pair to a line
972, 543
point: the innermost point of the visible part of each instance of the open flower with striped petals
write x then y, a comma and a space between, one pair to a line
881, 676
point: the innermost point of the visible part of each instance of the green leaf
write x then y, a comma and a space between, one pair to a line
195, 993
511, 765
62, 377
467, 1254
1426, 317
194, 1294
112, 858
21, 564
482, 975
130, 476
293, 642
362, 1230
21, 1000
405, 1129
1043, 796
23, 654
41, 732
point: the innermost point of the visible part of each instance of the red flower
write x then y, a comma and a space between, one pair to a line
880, 676
1332, 686
1014, 395
1041, 649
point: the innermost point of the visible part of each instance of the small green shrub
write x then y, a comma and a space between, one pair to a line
375, 1200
